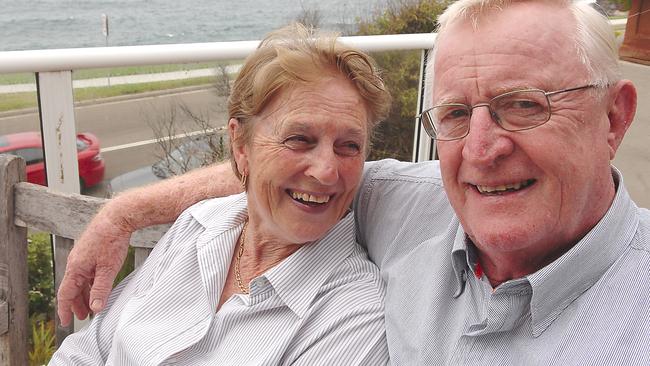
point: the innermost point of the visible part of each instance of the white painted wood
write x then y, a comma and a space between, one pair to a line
56, 103
58, 129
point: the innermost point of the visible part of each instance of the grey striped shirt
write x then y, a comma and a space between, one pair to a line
589, 307
321, 306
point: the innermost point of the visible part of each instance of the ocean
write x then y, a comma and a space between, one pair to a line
47, 24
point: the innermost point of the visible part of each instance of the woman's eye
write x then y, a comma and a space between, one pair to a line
349, 149
297, 142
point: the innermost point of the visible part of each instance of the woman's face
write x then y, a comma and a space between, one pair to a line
305, 159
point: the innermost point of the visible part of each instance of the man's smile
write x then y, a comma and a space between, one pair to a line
504, 188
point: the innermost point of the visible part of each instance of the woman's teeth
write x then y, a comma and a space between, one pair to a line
310, 198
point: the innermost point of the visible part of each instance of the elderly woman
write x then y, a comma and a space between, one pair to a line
272, 276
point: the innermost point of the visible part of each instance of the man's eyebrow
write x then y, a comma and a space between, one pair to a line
495, 92
514, 87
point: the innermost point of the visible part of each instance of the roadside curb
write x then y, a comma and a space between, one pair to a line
118, 98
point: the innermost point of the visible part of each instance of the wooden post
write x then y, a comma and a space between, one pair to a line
636, 44
14, 305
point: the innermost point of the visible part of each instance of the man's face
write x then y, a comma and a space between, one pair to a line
558, 175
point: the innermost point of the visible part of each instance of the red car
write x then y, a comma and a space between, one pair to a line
28, 145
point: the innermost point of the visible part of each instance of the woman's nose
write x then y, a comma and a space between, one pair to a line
324, 167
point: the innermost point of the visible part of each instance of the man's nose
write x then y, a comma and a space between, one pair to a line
487, 142
324, 166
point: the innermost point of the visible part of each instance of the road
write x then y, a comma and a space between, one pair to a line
122, 121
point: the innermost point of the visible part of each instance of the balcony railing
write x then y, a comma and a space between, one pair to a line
53, 69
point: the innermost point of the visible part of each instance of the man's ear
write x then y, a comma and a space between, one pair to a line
621, 113
239, 151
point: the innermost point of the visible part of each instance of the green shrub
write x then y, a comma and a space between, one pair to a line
42, 341
394, 138
40, 273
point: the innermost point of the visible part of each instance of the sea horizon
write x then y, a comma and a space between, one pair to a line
50, 24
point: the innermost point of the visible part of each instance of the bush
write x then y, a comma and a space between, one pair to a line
394, 138
42, 341
40, 274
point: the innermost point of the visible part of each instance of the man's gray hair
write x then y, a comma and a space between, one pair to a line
594, 38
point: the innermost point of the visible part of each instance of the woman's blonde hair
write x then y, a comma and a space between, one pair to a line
297, 55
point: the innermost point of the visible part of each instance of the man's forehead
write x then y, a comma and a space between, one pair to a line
507, 51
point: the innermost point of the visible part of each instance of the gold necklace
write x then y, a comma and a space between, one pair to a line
242, 240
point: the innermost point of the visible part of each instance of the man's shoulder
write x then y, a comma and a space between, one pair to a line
391, 169
642, 235
393, 183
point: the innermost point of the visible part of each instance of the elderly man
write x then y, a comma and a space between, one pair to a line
544, 259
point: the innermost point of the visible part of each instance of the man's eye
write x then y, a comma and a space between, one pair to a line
524, 104
451, 114
458, 113
348, 149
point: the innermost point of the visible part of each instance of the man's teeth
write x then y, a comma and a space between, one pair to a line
306, 197
505, 187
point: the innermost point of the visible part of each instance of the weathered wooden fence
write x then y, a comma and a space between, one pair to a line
24, 205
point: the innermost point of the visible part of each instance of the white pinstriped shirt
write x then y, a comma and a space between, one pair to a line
589, 307
323, 305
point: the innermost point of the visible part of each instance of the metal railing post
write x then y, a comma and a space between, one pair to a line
423, 145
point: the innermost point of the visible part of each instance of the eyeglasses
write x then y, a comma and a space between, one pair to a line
513, 111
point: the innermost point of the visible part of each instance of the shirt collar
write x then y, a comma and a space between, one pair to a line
299, 278
562, 281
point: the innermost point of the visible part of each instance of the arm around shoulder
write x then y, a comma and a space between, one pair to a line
100, 251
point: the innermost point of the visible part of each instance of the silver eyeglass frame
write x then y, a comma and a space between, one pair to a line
431, 130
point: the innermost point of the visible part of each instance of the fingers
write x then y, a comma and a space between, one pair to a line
102, 286
70, 298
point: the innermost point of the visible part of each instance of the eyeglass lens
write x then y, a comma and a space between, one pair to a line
514, 111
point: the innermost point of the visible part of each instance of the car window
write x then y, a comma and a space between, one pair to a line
81, 145
191, 154
31, 155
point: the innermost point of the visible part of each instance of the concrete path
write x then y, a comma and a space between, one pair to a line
128, 79
633, 157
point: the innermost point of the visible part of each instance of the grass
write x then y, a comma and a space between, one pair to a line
28, 78
27, 100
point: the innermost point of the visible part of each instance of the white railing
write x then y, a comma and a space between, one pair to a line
53, 69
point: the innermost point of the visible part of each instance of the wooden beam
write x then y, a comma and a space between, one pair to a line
67, 214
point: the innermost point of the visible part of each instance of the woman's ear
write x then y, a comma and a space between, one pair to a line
239, 150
